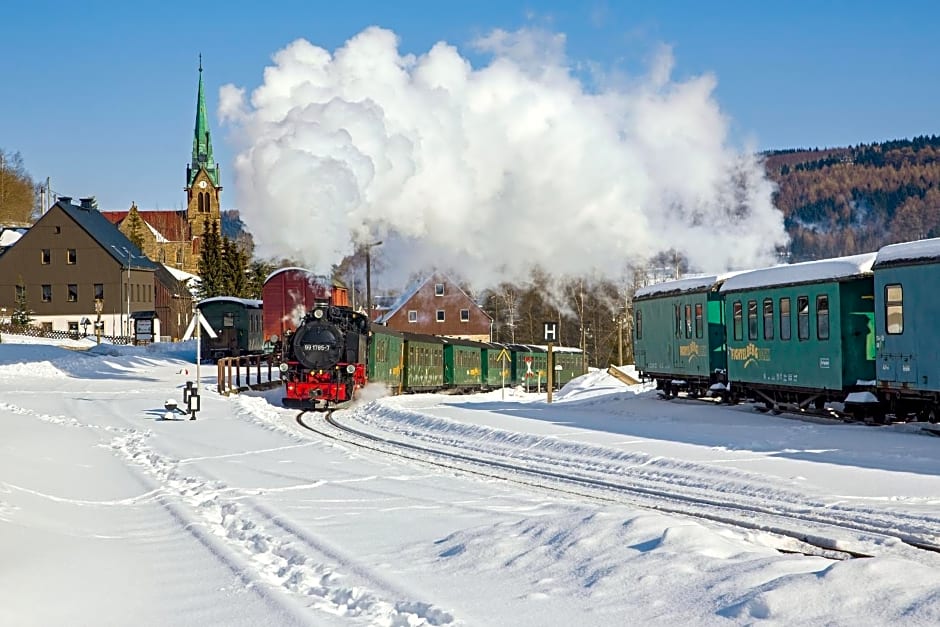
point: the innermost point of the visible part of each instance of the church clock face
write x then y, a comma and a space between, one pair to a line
202, 184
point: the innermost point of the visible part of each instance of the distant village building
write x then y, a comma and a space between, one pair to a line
173, 237
438, 306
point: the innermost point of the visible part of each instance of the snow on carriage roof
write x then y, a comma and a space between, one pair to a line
805, 272
914, 252
248, 302
679, 286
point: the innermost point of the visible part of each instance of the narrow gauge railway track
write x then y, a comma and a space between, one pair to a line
832, 537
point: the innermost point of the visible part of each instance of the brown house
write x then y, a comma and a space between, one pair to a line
71, 258
438, 306
173, 303
173, 237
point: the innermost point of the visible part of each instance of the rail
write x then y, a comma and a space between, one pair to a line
235, 373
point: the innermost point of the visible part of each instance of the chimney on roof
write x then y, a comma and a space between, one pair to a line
89, 203
65, 200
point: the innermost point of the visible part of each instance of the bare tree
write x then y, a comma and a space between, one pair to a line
17, 190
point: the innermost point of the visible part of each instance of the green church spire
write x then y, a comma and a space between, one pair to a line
202, 141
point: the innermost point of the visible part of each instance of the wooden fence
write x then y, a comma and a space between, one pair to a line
248, 372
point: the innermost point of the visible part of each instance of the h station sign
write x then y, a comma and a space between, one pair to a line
551, 331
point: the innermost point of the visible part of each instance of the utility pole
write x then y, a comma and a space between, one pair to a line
369, 278
619, 339
127, 288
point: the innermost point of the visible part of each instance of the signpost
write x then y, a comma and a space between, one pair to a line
504, 358
551, 333
191, 393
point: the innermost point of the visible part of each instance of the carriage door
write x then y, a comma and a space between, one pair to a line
895, 359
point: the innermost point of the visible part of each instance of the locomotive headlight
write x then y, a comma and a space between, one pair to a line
282, 367
317, 313
350, 368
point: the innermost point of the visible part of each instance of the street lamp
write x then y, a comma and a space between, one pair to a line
99, 325
368, 248
85, 323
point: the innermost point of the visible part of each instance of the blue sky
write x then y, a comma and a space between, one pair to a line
100, 96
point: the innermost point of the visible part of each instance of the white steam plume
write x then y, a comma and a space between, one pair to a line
490, 170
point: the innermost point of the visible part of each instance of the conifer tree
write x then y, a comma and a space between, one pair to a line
211, 263
235, 279
258, 271
20, 317
135, 227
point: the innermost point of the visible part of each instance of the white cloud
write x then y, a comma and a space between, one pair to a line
491, 169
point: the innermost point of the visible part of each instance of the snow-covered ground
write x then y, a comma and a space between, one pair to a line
111, 515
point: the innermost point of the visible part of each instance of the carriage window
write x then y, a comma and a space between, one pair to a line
752, 319
678, 321
894, 309
738, 318
802, 317
785, 318
228, 320
381, 350
822, 317
699, 322
768, 319
639, 325
688, 320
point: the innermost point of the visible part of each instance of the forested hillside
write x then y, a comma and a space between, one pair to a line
841, 201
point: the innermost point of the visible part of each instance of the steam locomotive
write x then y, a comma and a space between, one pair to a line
324, 358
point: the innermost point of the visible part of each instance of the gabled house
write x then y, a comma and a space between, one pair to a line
438, 306
71, 259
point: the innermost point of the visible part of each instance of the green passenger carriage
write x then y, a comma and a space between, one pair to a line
800, 335
424, 362
569, 364
386, 357
463, 364
528, 365
907, 300
497, 365
237, 323
679, 336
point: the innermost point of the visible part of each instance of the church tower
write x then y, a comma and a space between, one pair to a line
202, 174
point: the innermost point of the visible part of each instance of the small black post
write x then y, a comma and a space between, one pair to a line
191, 399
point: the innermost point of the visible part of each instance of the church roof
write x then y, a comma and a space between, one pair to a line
202, 140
